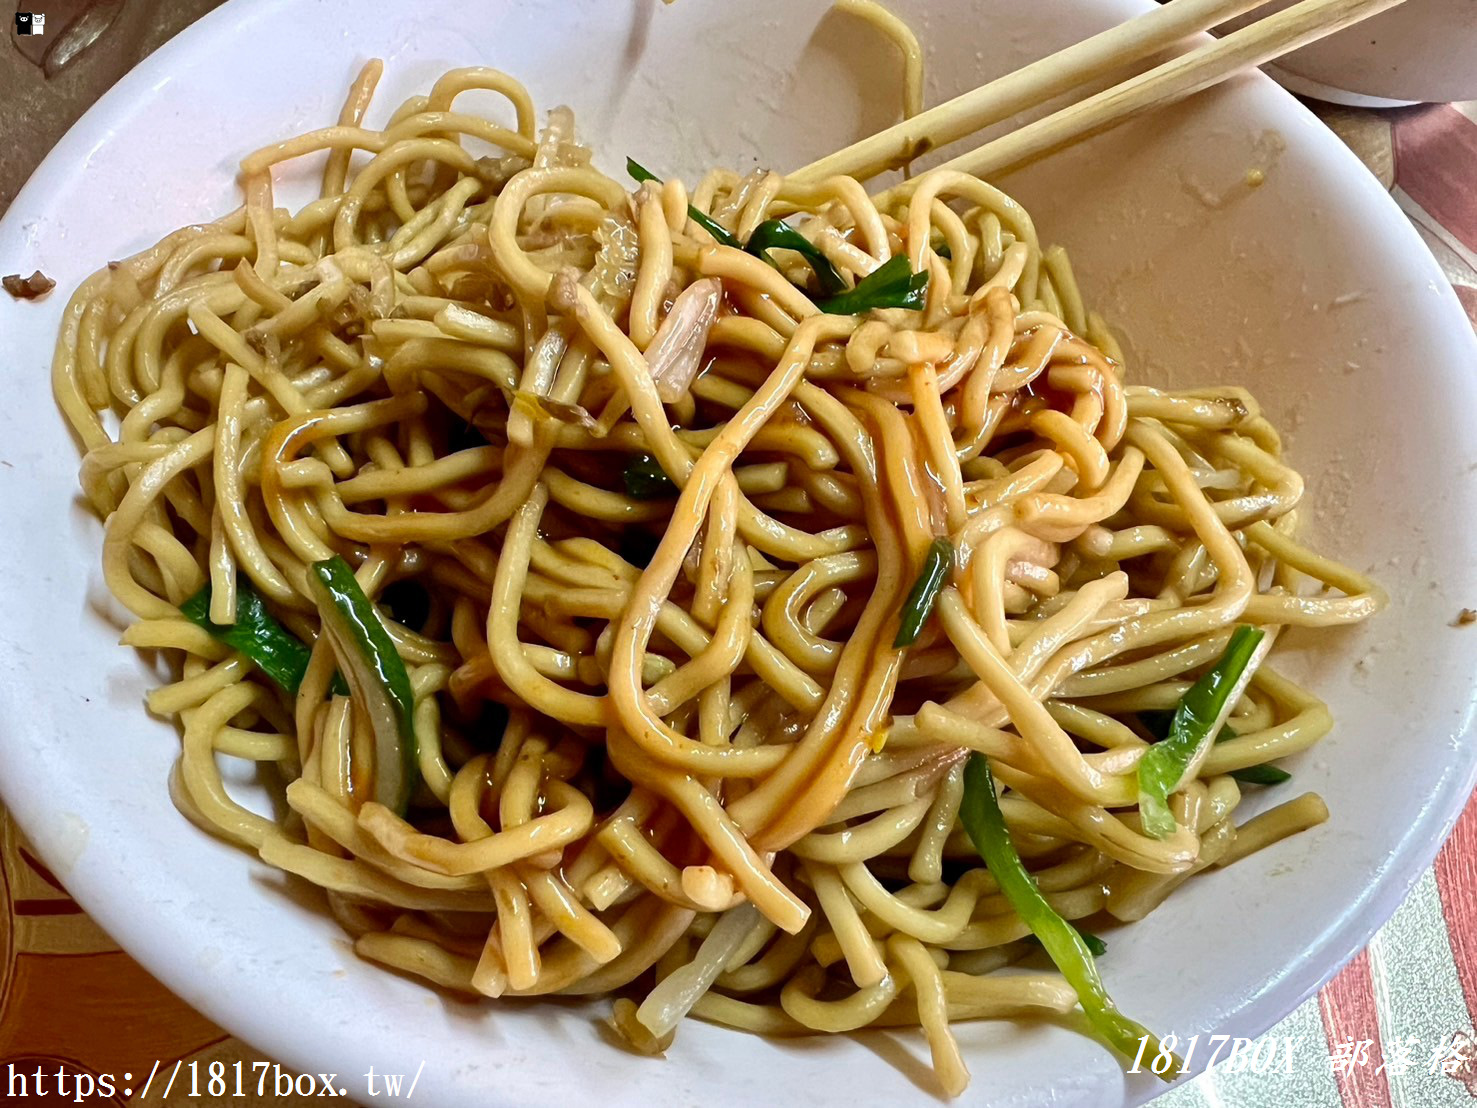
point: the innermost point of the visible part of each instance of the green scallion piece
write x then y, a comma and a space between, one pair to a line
719, 232
983, 821
1264, 774
925, 591
890, 285
1095, 946
645, 479
274, 650
775, 233
639, 172
1158, 724
377, 677
1201, 712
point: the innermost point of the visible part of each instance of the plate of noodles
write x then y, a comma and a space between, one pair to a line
592, 589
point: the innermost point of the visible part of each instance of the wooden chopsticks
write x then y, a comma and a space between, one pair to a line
1067, 69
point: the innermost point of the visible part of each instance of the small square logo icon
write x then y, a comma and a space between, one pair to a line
30, 23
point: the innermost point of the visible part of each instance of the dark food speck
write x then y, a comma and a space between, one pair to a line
27, 288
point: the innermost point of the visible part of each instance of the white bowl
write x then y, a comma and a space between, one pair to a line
1312, 289
1422, 50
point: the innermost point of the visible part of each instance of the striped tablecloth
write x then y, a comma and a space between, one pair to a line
1394, 1029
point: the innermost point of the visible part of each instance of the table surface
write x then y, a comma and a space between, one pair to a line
1395, 1028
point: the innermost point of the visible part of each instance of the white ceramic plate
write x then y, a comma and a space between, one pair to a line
1422, 50
1312, 289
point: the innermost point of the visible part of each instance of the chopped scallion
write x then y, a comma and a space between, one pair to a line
645, 479
925, 591
1264, 774
277, 652
774, 233
377, 677
890, 285
719, 232
984, 822
1201, 712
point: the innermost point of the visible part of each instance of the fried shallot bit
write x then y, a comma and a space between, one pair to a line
676, 351
27, 288
562, 295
